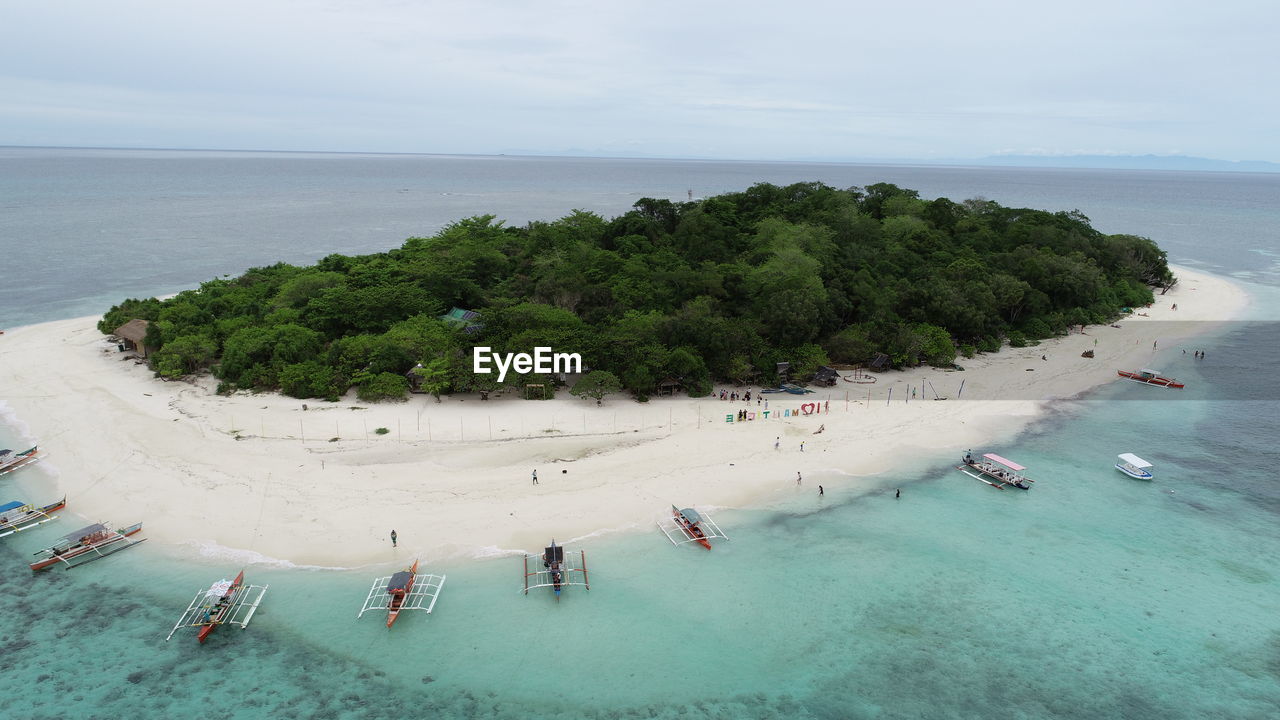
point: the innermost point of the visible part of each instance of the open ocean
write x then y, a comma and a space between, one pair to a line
1091, 596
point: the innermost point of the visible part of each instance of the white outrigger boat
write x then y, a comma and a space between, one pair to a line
10, 461
226, 602
405, 590
1134, 467
16, 516
557, 569
86, 545
690, 526
995, 471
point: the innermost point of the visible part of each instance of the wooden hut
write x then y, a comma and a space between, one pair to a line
826, 375
133, 336
669, 386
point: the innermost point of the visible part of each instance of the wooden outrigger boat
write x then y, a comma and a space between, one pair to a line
10, 461
86, 545
995, 471
1134, 467
558, 568
405, 590
226, 602
16, 516
692, 526
1150, 377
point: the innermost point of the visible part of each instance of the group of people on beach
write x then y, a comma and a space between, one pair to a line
733, 395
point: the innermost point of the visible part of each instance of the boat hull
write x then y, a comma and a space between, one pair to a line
104, 548
207, 630
691, 530
1136, 475
1157, 381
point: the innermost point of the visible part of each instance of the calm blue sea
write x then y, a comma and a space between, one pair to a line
1090, 596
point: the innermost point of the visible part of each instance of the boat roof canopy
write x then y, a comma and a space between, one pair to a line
86, 530
1135, 461
1149, 371
691, 515
11, 505
1003, 461
400, 580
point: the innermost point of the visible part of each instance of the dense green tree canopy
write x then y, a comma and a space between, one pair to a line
715, 290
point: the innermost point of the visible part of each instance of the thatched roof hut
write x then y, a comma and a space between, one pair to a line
669, 386
134, 335
826, 375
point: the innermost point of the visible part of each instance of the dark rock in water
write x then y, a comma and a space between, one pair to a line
427, 679
135, 677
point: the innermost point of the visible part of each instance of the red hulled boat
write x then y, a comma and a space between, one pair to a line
1150, 377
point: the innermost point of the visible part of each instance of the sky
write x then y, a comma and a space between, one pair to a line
733, 80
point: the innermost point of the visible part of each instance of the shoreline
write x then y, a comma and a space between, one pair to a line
259, 474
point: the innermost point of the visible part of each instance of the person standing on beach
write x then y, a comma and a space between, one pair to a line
797, 478
777, 442
393, 538
535, 476
801, 446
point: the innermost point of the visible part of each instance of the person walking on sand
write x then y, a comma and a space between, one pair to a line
535, 476
820, 493
801, 446
797, 478
777, 442
897, 493
393, 538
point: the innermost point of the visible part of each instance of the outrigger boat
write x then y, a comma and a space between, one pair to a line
86, 545
1134, 467
692, 526
1150, 377
405, 590
995, 471
9, 461
557, 569
226, 602
16, 517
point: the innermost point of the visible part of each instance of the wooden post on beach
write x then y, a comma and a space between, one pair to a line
399, 435
302, 433
490, 427
366, 430
890, 397
461, 435
669, 423
428, 428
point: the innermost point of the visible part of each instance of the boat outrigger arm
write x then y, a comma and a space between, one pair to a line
556, 568
678, 535
241, 604
422, 596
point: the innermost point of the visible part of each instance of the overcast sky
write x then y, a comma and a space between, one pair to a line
777, 80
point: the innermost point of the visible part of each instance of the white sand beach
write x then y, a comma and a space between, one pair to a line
320, 486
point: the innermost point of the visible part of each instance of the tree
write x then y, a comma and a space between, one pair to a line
377, 387
596, 384
184, 355
434, 376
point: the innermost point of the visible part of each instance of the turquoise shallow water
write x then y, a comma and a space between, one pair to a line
1092, 595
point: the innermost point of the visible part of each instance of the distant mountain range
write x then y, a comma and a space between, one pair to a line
1128, 162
